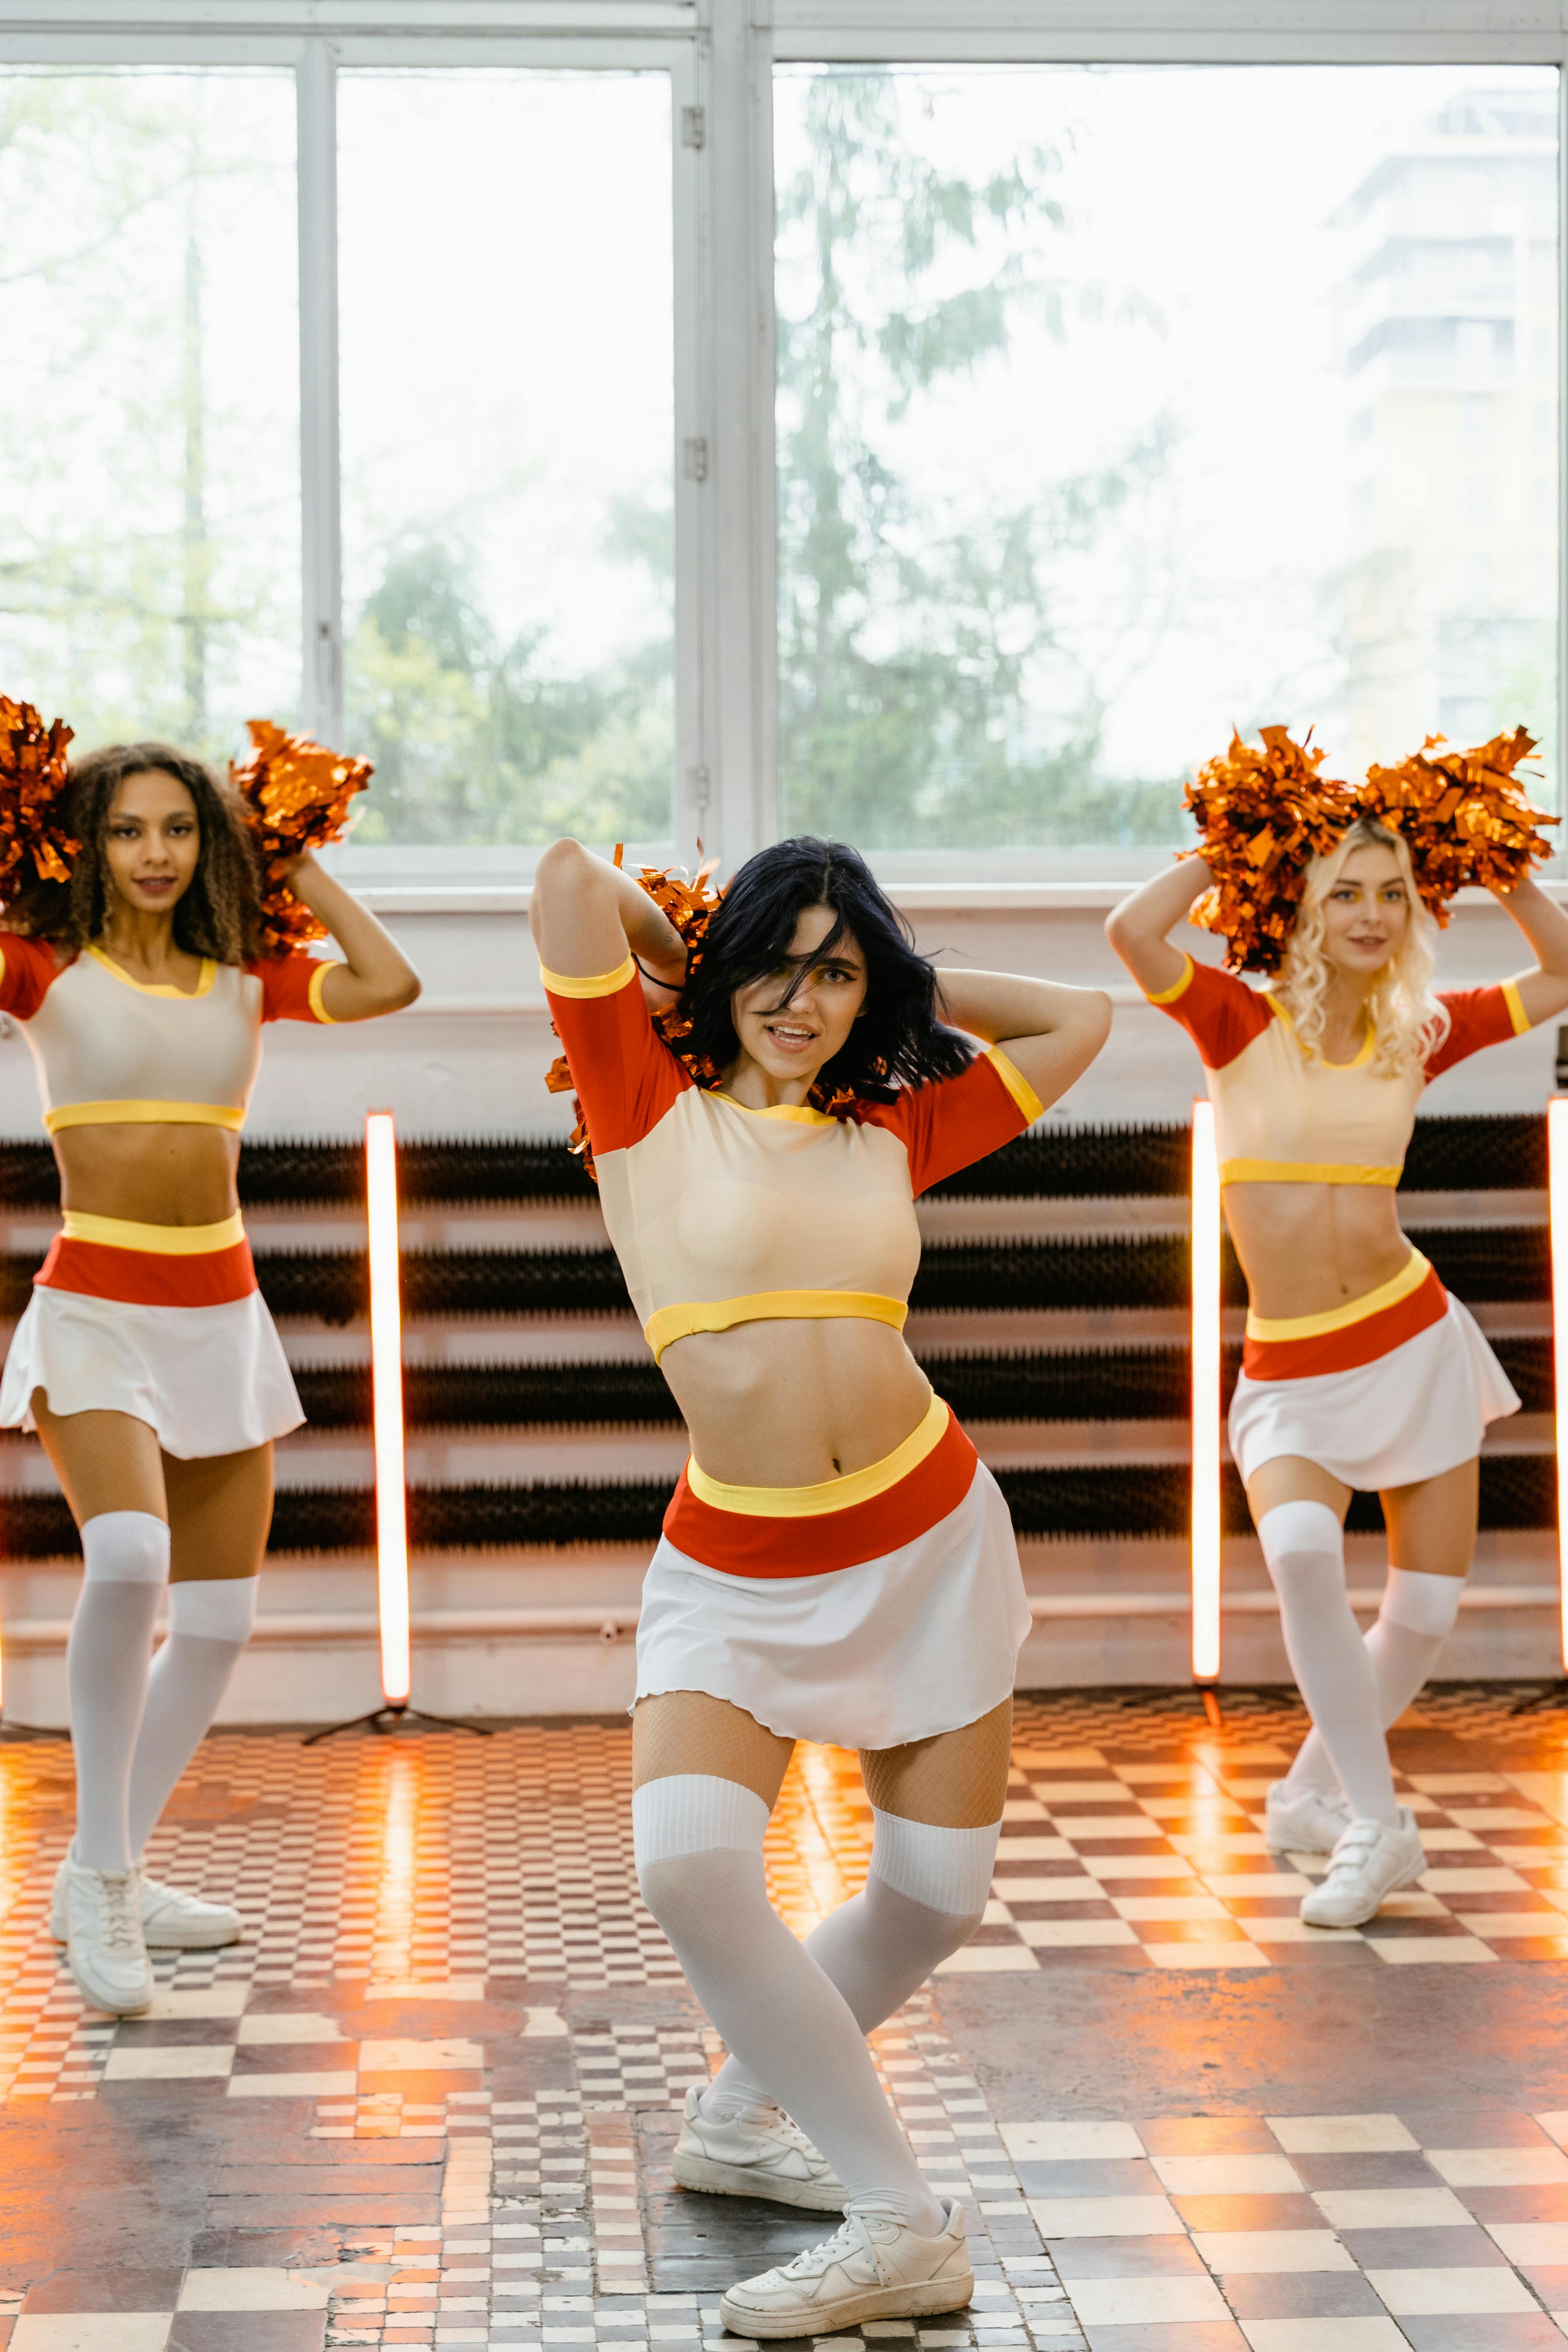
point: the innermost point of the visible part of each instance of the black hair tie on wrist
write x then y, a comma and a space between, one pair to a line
674, 986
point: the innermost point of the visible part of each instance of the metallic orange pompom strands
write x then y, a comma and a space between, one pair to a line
1263, 813
1463, 815
295, 795
34, 780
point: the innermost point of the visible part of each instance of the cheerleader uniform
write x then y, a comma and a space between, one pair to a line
874, 1609
163, 1322
1396, 1386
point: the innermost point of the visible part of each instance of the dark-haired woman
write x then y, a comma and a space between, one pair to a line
146, 1361
837, 1564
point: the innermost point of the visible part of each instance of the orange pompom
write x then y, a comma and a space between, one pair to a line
295, 795
1463, 815
35, 780
1263, 814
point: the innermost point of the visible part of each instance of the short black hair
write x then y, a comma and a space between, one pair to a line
899, 1039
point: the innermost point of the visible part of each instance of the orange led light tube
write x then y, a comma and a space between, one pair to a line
1557, 1196
386, 1388
1205, 1355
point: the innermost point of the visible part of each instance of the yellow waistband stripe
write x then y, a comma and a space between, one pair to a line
604, 984
1411, 1276
1169, 995
833, 1494
165, 1241
1515, 1003
672, 1323
145, 1114
1017, 1084
1302, 1171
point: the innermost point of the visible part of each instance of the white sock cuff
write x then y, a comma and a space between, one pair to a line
695, 1813
1301, 1526
215, 1608
1422, 1605
945, 1870
125, 1548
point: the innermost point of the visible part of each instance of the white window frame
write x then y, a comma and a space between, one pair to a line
719, 56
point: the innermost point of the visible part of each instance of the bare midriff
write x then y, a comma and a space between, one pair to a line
793, 1405
150, 1175
1307, 1249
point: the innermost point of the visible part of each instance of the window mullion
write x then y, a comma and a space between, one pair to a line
320, 478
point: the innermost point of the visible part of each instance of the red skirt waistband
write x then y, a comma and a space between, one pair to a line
740, 1545
146, 1278
1353, 1343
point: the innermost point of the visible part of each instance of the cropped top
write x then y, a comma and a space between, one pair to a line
112, 1050
1284, 1115
721, 1215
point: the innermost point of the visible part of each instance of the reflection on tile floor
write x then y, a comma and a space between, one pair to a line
430, 2099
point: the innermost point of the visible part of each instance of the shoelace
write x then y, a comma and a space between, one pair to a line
119, 1925
851, 2233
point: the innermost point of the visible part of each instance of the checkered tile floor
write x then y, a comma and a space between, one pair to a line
430, 2099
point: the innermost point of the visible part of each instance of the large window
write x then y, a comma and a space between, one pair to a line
149, 401
507, 441
1121, 406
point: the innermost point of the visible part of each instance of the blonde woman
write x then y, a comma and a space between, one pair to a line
1358, 1371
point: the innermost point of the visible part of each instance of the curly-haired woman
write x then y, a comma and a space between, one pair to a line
1358, 1371
146, 1361
837, 1564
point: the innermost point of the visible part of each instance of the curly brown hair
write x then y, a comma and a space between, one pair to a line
218, 915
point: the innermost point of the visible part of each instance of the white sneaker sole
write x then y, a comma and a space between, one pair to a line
710, 2178
192, 1939
98, 1996
916, 2301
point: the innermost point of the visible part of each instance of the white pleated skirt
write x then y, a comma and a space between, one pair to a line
206, 1380
922, 1640
1421, 1409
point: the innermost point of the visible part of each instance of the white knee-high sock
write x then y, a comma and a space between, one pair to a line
126, 1557
1417, 1617
209, 1623
1304, 1546
698, 1842
925, 1894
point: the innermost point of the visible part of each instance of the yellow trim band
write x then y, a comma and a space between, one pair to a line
833, 1494
671, 1323
318, 981
204, 979
165, 1241
1017, 1084
1302, 1171
1515, 1003
1169, 995
801, 1114
605, 983
145, 1114
1411, 1276
1364, 1052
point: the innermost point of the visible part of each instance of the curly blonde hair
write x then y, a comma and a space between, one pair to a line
1407, 1022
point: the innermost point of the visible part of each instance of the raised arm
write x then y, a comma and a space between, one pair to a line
375, 976
1049, 1033
587, 915
1138, 928
1544, 989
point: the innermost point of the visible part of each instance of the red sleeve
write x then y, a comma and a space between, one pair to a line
291, 986
1477, 1017
28, 969
1219, 1012
626, 1076
952, 1122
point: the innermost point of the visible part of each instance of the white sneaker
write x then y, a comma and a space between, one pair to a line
104, 1950
1372, 1859
169, 1918
873, 2268
760, 2154
1313, 1822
